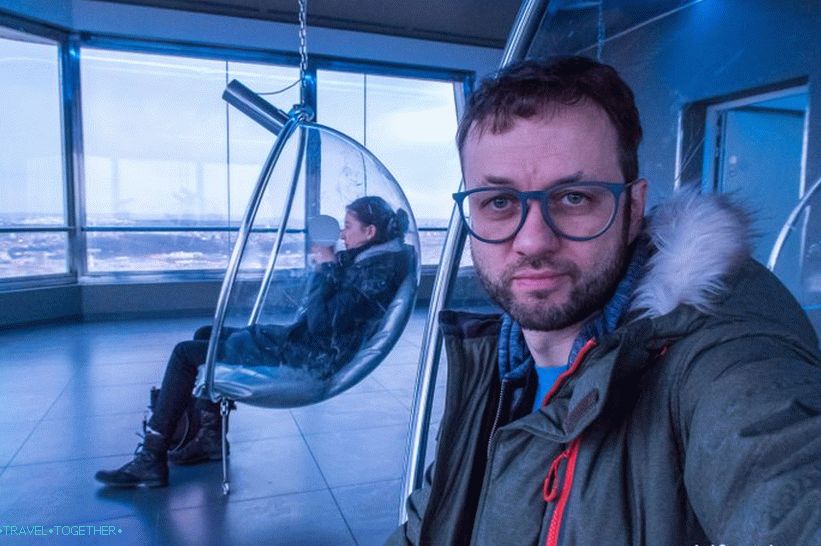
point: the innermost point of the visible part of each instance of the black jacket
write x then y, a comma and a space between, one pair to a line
344, 301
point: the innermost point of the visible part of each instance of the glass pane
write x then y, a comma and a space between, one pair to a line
410, 125
249, 143
157, 251
341, 102
431, 242
32, 254
31, 160
154, 138
411, 128
162, 148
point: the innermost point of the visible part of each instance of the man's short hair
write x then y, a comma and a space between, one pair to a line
534, 88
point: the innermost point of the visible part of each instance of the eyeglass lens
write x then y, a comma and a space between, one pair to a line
575, 211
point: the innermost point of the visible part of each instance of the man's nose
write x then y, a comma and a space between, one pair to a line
535, 236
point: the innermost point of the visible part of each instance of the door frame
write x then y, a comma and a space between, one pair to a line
713, 135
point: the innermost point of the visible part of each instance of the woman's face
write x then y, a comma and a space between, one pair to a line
355, 233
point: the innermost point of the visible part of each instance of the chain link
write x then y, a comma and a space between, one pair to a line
303, 45
600, 31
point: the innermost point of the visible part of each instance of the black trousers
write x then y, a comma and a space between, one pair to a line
178, 382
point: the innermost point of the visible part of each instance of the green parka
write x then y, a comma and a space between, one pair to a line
696, 422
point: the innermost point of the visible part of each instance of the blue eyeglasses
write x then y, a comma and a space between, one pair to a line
579, 211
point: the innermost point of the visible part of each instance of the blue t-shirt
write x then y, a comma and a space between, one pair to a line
547, 377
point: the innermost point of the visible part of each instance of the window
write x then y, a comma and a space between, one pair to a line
410, 125
168, 166
33, 219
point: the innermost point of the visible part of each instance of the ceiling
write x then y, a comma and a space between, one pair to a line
473, 22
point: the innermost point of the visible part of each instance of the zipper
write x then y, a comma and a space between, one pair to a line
498, 416
550, 488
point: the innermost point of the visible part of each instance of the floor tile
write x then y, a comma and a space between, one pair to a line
396, 377
143, 372
253, 423
78, 400
81, 437
66, 493
257, 469
358, 456
351, 411
300, 519
371, 510
75, 394
12, 438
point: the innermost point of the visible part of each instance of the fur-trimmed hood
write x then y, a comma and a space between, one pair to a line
699, 239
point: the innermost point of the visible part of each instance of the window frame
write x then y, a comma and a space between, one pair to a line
69, 48
61, 39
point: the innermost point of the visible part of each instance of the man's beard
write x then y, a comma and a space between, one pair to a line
590, 292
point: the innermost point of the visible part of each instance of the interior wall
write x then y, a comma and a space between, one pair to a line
709, 49
40, 305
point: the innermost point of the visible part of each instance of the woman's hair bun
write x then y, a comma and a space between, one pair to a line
375, 211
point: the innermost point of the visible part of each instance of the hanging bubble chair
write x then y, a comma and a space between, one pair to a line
308, 309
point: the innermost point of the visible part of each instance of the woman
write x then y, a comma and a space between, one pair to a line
347, 295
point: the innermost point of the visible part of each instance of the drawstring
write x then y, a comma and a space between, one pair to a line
550, 489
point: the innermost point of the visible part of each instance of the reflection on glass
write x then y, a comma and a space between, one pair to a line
32, 254
409, 124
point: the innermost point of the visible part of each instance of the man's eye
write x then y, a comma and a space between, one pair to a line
574, 198
498, 202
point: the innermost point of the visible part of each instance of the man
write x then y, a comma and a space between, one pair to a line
649, 382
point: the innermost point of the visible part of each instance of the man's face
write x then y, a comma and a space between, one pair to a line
546, 282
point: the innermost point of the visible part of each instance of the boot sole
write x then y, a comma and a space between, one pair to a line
151, 484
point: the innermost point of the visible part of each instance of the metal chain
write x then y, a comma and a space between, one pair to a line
303, 44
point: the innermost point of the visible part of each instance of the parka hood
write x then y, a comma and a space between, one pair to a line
698, 240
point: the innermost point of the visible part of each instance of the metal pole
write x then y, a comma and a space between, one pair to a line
524, 29
262, 295
255, 107
788, 226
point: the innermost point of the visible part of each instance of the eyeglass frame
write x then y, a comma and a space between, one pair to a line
616, 188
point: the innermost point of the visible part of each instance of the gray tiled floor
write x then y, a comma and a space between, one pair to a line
74, 396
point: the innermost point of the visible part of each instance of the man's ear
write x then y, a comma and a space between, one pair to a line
638, 198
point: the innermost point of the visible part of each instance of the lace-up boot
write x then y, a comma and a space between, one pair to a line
149, 468
206, 444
